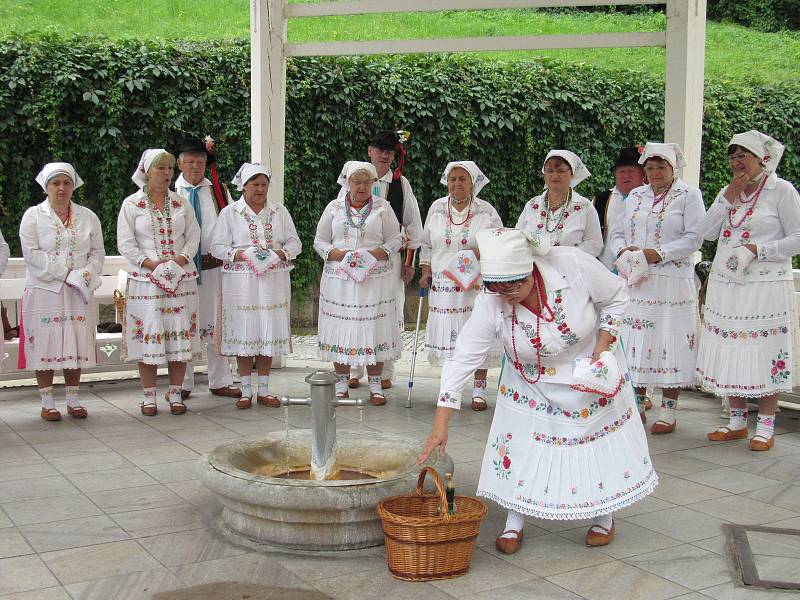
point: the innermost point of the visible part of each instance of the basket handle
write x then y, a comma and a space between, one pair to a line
437, 481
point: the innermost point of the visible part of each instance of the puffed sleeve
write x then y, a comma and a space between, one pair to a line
5, 253
494, 223
42, 265
191, 234
222, 236
592, 242
788, 207
97, 249
323, 239
126, 235
608, 291
476, 340
392, 239
690, 241
291, 242
412, 220
426, 246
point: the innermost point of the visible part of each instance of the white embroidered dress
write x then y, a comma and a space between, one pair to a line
659, 331
254, 310
357, 322
5, 253
449, 305
59, 329
160, 327
554, 452
748, 344
613, 207
573, 224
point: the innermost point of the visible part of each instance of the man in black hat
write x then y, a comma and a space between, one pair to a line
628, 175
207, 198
382, 150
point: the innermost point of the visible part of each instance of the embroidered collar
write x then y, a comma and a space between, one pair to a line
181, 182
241, 207
552, 277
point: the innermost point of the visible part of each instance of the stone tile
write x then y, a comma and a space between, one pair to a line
143, 438
138, 498
672, 464
24, 573
743, 511
725, 455
647, 505
617, 580
193, 491
680, 523
485, 573
12, 543
347, 587
155, 455
49, 435
202, 545
629, 539
729, 591
89, 463
677, 490
251, 568
53, 593
190, 420
717, 544
97, 562
132, 586
71, 448
781, 470
774, 544
43, 487
115, 479
785, 496
730, 480
19, 454
210, 432
9, 438
17, 472
172, 472
551, 554
776, 568
45, 510
686, 565
532, 589
158, 521
74, 533
4, 520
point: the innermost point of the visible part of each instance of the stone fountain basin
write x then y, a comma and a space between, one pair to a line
311, 515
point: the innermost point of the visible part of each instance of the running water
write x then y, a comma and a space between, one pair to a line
286, 445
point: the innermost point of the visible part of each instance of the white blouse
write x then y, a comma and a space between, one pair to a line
51, 250
141, 235
671, 227
208, 208
5, 253
238, 228
435, 251
379, 230
579, 224
583, 296
773, 226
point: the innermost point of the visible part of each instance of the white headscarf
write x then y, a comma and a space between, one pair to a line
768, 150
247, 171
670, 152
350, 167
508, 254
139, 176
579, 170
55, 169
478, 178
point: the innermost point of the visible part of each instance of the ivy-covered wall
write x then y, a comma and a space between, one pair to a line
766, 15
98, 104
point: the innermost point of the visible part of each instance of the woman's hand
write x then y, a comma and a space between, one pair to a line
438, 436
379, 253
752, 247
182, 261
407, 273
628, 249
737, 185
238, 256
336, 255
652, 256
425, 278
603, 343
282, 255
151, 264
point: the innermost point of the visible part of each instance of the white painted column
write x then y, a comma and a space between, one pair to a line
268, 93
686, 40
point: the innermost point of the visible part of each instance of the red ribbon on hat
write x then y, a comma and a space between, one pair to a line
398, 172
222, 198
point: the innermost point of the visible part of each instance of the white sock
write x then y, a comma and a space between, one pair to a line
72, 395
175, 394
341, 383
375, 384
640, 400
738, 419
514, 521
149, 396
766, 426
604, 521
263, 385
479, 388
247, 386
47, 397
668, 409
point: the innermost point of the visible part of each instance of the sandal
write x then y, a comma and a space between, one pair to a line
176, 408
149, 410
758, 443
660, 427
648, 404
353, 382
50, 414
244, 402
377, 399
269, 400
342, 394
599, 538
77, 412
478, 404
508, 545
726, 434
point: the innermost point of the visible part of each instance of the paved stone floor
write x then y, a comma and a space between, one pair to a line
110, 507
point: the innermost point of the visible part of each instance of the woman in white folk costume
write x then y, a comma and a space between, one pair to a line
358, 319
5, 254
448, 241
654, 238
256, 241
561, 214
158, 233
554, 452
748, 344
62, 244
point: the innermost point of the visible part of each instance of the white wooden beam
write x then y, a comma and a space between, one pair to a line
478, 44
362, 7
683, 111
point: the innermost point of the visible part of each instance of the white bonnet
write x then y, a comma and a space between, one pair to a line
507, 254
768, 150
139, 176
579, 170
350, 167
478, 178
54, 169
247, 171
670, 152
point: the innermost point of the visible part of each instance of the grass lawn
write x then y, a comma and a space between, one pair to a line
732, 52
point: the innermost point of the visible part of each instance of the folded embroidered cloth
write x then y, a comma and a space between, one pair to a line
84, 282
633, 267
357, 264
260, 259
168, 276
601, 377
464, 269
732, 262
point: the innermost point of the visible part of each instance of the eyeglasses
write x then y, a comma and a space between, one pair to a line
554, 171
503, 287
735, 157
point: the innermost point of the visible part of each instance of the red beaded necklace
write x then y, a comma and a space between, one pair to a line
744, 201
541, 294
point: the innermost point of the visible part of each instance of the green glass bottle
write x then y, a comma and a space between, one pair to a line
450, 492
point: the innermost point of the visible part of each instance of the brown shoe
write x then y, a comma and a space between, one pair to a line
50, 414
660, 427
342, 394
269, 400
478, 404
759, 444
648, 404
176, 408
726, 434
353, 383
77, 412
643, 417
185, 394
227, 392
599, 538
377, 399
244, 402
386, 384
149, 410
508, 545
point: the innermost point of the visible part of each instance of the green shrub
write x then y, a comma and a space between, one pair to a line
766, 15
98, 104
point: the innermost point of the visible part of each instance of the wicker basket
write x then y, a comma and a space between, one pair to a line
119, 302
423, 541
